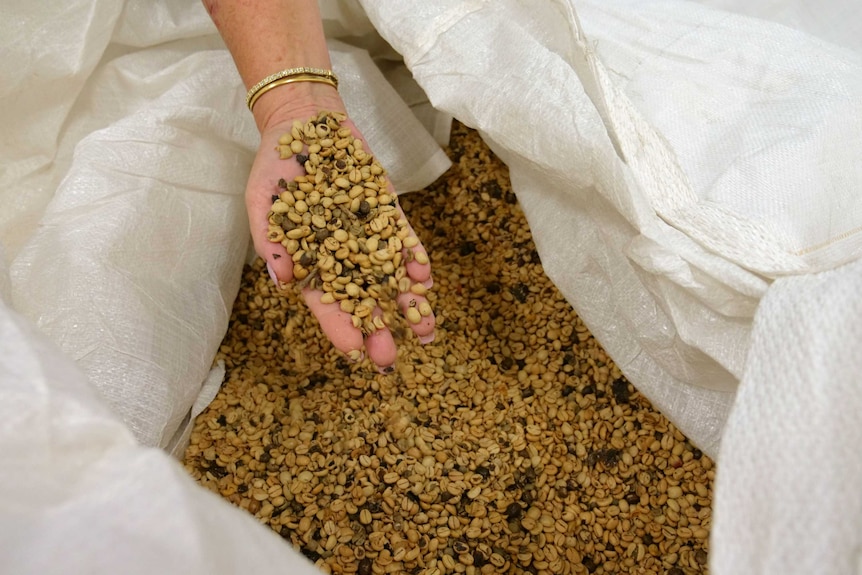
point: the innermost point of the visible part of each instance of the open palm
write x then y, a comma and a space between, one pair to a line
267, 170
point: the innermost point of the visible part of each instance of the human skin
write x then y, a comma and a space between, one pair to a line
265, 37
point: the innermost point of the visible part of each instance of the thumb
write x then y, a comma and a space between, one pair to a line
268, 238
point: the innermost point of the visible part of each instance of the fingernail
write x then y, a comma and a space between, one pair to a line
386, 370
423, 339
272, 274
274, 278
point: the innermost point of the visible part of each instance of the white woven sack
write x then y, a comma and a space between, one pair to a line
684, 168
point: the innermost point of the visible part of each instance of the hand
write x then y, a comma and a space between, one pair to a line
267, 170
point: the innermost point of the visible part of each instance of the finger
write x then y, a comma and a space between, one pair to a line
336, 324
381, 348
261, 191
274, 276
281, 266
278, 262
417, 263
424, 327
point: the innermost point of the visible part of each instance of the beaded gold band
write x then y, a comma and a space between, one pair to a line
287, 77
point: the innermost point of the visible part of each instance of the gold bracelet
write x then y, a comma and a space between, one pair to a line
290, 80
300, 75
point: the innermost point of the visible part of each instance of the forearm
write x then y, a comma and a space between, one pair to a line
266, 36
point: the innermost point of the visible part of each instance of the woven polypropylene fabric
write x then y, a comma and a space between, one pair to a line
787, 494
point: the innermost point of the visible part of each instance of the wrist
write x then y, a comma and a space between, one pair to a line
299, 100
